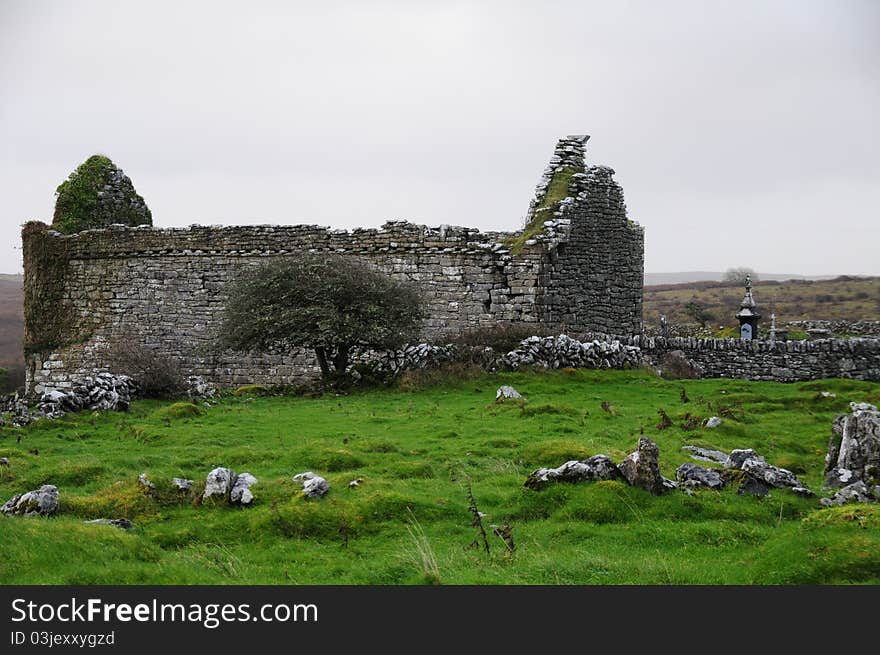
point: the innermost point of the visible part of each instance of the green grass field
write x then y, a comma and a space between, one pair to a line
408, 521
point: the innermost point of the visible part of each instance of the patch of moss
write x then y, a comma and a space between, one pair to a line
47, 316
252, 390
179, 410
77, 196
557, 190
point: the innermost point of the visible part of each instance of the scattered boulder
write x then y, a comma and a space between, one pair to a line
854, 448
857, 492
183, 485
693, 475
754, 487
713, 422
40, 502
234, 488
641, 468
355, 483
219, 483
144, 482
775, 476
803, 492
313, 486
241, 490
597, 467
506, 393
4, 461
706, 455
124, 524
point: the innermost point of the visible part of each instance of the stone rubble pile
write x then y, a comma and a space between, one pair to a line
564, 352
102, 392
17, 413
198, 387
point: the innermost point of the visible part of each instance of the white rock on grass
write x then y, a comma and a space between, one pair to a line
313, 486
713, 422
219, 482
183, 485
506, 393
241, 490
39, 502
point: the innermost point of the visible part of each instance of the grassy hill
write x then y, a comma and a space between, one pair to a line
847, 298
408, 522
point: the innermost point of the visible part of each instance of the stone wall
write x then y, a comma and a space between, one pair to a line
787, 361
163, 289
839, 327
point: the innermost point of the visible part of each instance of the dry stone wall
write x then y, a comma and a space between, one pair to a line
780, 361
163, 289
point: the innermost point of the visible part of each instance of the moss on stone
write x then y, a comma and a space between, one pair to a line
47, 317
557, 190
86, 198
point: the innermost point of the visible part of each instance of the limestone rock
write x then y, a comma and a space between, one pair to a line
241, 489
313, 486
506, 393
597, 467
713, 422
706, 455
857, 492
198, 387
4, 461
40, 502
738, 456
144, 482
225, 483
641, 468
219, 483
754, 487
693, 475
775, 476
183, 485
854, 448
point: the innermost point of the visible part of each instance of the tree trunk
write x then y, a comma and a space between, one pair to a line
340, 359
322, 362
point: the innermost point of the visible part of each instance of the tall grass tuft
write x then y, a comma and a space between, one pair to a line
423, 555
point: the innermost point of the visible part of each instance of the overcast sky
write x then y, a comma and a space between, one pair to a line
743, 133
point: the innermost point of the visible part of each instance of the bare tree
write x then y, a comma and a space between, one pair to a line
740, 274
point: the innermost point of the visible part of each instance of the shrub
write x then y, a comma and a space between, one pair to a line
157, 375
325, 302
503, 337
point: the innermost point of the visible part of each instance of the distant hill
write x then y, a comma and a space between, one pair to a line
841, 298
11, 331
684, 277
